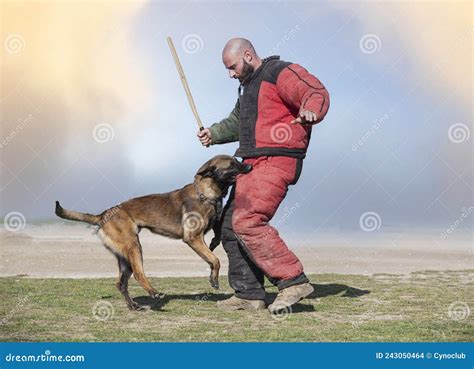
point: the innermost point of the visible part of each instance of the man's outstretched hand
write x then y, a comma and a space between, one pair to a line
305, 116
205, 137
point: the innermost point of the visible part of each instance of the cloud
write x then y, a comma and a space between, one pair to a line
435, 36
67, 67
73, 49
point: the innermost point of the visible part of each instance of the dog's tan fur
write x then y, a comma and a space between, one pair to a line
187, 214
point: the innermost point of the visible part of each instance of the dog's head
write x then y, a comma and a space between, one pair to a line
223, 169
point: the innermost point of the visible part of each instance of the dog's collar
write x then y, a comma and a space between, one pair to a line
204, 198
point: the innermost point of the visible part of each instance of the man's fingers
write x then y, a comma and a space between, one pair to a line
296, 121
305, 116
204, 137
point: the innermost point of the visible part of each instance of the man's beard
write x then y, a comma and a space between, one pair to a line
247, 71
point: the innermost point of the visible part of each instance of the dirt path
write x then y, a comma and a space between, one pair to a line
67, 251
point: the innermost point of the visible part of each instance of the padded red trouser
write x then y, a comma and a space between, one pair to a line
257, 197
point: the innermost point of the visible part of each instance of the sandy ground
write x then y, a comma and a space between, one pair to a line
63, 250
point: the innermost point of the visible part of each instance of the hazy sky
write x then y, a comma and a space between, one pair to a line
93, 112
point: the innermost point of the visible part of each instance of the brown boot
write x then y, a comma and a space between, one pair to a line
290, 296
236, 303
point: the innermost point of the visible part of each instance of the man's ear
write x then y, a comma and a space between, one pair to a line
207, 172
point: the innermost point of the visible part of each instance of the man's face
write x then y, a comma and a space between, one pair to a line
238, 67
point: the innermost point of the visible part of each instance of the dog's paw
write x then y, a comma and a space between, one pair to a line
214, 243
214, 283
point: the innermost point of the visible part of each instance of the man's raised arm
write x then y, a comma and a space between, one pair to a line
300, 89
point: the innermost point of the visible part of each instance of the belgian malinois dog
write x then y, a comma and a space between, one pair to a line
187, 214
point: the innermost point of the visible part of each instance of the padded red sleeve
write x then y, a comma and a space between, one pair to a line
300, 89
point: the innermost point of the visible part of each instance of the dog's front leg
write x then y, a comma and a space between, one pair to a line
217, 227
216, 240
199, 246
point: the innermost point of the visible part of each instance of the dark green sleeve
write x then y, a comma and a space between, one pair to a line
227, 130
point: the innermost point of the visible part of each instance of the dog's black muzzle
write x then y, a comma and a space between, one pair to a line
246, 168
243, 168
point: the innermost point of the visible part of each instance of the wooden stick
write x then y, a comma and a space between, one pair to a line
185, 82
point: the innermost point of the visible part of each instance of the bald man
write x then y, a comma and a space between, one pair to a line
278, 104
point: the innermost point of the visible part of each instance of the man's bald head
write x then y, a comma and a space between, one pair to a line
240, 58
237, 47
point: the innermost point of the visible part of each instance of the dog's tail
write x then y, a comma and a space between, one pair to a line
75, 215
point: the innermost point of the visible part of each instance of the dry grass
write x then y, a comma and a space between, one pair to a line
342, 308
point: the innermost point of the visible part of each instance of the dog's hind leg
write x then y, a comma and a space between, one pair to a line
125, 272
119, 235
134, 254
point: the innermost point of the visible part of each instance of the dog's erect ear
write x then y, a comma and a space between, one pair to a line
207, 172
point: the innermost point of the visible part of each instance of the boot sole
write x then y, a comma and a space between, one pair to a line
248, 307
